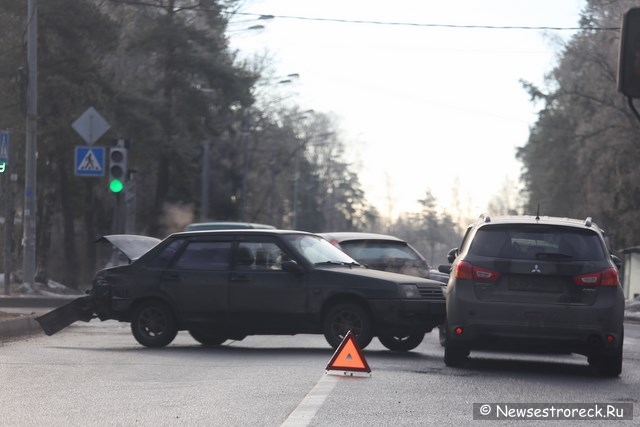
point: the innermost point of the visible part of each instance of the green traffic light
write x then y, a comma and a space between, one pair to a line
116, 186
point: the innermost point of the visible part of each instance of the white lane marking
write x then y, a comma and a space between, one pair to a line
307, 409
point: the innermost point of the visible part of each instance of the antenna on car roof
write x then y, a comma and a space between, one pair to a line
538, 213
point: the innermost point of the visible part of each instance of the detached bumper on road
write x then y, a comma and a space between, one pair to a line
82, 308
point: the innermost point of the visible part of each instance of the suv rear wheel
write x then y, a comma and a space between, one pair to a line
609, 365
345, 317
454, 355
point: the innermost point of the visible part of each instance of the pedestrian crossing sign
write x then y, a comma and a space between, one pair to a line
4, 147
89, 161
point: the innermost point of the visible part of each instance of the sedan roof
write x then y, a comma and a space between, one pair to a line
241, 231
343, 236
226, 225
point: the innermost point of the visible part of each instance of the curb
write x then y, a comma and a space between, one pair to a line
36, 301
19, 326
25, 324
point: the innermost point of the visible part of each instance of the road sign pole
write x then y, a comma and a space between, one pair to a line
7, 181
115, 225
30, 206
130, 203
9, 215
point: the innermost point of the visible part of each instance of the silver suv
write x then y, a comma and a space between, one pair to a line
538, 284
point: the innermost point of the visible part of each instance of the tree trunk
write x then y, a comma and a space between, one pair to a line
68, 238
90, 231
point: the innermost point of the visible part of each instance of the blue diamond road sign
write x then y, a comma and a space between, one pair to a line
89, 161
90, 125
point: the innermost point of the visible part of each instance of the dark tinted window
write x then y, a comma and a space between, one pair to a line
166, 255
204, 256
259, 255
537, 242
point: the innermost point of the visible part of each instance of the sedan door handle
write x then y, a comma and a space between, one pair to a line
171, 277
235, 277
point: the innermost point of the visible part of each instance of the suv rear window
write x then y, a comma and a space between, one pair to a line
536, 242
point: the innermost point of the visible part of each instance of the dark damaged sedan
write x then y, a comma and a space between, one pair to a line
222, 285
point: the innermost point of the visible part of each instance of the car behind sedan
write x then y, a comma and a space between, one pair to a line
384, 252
221, 285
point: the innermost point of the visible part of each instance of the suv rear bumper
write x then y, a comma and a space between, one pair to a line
567, 328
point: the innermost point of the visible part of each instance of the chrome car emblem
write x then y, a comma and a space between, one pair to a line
536, 269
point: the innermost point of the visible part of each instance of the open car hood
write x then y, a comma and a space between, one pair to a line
131, 245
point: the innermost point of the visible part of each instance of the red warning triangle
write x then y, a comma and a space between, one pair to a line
348, 356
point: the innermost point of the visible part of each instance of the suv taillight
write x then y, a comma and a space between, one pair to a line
467, 271
607, 277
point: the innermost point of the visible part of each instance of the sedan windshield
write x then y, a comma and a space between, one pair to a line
317, 250
378, 249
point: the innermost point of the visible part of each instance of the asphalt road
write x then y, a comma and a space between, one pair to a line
95, 374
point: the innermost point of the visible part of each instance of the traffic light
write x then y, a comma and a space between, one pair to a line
117, 168
629, 54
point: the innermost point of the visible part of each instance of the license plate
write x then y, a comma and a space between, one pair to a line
535, 284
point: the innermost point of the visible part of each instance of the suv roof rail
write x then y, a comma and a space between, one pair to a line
484, 218
588, 222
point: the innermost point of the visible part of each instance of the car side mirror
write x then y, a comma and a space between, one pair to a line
444, 268
617, 261
291, 266
452, 255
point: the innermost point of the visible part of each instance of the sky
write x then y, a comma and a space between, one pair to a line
435, 106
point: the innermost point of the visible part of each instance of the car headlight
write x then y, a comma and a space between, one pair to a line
409, 291
101, 287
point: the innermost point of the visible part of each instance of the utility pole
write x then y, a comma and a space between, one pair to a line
246, 126
130, 203
30, 206
204, 184
9, 218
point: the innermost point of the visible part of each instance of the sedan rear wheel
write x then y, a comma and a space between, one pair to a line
345, 317
153, 324
401, 342
206, 337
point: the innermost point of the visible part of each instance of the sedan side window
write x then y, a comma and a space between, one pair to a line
205, 256
164, 258
259, 256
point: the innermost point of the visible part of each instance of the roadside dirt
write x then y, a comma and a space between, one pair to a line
4, 316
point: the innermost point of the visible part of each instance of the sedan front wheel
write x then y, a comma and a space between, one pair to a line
345, 317
153, 324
